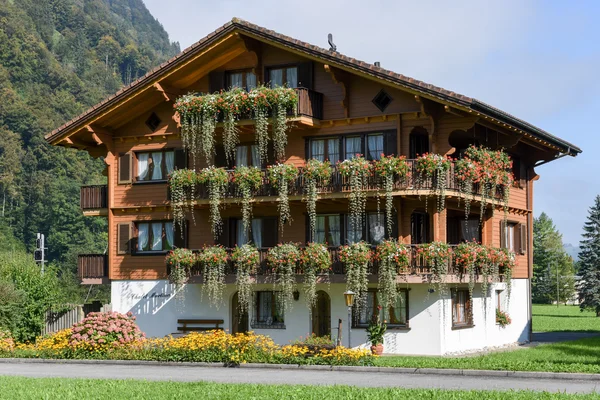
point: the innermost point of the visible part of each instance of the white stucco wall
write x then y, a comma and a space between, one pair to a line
157, 309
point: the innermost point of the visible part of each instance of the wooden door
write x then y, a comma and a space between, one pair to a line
321, 315
239, 322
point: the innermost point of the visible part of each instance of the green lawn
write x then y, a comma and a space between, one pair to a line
77, 389
575, 356
549, 318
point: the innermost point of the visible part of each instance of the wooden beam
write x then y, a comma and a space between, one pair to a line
169, 93
341, 78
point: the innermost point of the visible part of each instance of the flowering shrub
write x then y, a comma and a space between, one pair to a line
214, 260
246, 259
181, 184
216, 179
357, 171
179, 262
503, 318
280, 176
103, 331
315, 173
248, 180
387, 168
283, 259
6, 341
356, 257
315, 259
434, 167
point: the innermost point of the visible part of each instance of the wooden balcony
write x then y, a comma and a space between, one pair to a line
92, 269
93, 200
418, 271
339, 187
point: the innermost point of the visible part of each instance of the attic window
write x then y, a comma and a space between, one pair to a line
153, 122
382, 100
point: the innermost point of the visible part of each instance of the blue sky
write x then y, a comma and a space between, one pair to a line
538, 60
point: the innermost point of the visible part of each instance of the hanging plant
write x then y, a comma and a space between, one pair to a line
507, 260
182, 183
247, 180
214, 260
437, 255
434, 167
283, 259
282, 100
356, 258
190, 116
388, 169
316, 173
281, 176
232, 104
216, 180
357, 171
179, 263
315, 260
393, 257
260, 110
466, 257
467, 173
245, 259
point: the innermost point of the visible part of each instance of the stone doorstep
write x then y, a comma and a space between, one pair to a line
387, 370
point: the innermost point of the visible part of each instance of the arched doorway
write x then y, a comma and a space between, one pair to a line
321, 315
239, 321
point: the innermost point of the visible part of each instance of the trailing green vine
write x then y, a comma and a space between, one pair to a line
245, 259
214, 260
315, 173
356, 257
467, 173
247, 180
393, 257
216, 180
283, 259
315, 260
179, 263
182, 183
434, 167
437, 255
388, 168
357, 171
281, 176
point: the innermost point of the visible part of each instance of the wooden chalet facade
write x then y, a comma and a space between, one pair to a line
345, 106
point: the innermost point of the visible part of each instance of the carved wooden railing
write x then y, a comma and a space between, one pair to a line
92, 266
93, 197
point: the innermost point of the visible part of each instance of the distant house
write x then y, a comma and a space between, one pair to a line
345, 107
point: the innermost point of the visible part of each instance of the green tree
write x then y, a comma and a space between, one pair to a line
10, 166
589, 261
553, 271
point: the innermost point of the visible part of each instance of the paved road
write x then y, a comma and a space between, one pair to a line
306, 377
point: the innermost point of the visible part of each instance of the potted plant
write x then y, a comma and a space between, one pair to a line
375, 332
502, 318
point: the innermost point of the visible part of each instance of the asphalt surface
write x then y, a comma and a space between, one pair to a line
300, 377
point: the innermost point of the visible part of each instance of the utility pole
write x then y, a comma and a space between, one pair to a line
40, 250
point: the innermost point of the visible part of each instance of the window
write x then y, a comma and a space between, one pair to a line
508, 238
461, 230
353, 147
263, 232
156, 236
327, 229
155, 165
325, 149
397, 315
419, 227
461, 309
247, 156
374, 146
287, 76
418, 143
374, 232
269, 311
500, 300
241, 79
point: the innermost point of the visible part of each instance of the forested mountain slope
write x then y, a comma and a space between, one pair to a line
57, 58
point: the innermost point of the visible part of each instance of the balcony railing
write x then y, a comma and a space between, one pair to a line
93, 197
339, 183
92, 266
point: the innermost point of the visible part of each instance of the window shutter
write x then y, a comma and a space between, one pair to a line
305, 75
124, 238
394, 225
181, 236
180, 159
125, 164
307, 154
522, 175
390, 143
503, 243
223, 238
517, 238
220, 158
524, 236
270, 232
216, 81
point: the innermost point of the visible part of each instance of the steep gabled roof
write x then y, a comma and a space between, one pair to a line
430, 91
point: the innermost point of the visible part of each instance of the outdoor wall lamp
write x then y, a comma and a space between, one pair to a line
349, 297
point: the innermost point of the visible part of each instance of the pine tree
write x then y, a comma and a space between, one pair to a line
589, 257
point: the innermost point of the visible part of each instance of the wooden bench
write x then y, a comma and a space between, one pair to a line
185, 325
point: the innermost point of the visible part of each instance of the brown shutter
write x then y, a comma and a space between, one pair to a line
223, 238
305, 75
270, 232
125, 164
522, 175
517, 238
394, 224
216, 81
124, 238
180, 236
220, 158
503, 243
180, 159
523, 236
390, 143
307, 154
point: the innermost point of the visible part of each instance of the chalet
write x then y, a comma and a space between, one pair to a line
341, 109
